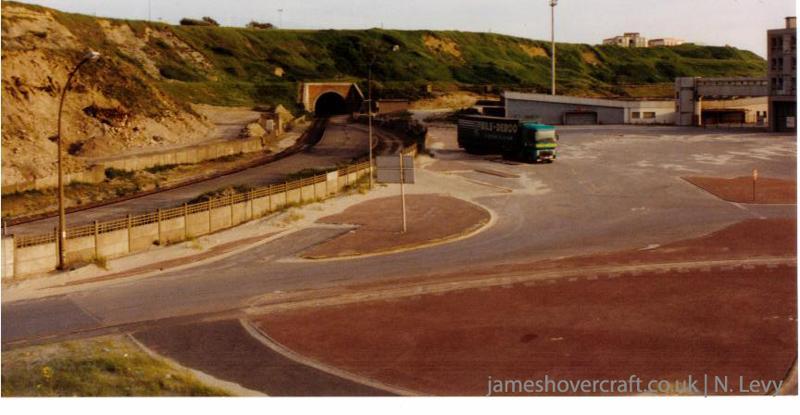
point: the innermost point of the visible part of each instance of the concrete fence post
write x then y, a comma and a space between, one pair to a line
208, 216
301, 190
14, 255
230, 202
158, 213
269, 199
251, 197
58, 240
185, 221
130, 237
96, 239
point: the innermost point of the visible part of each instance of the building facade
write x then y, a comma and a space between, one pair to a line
782, 61
566, 110
627, 40
666, 41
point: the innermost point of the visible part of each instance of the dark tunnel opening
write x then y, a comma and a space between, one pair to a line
330, 103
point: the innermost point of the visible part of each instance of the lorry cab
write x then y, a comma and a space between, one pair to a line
540, 141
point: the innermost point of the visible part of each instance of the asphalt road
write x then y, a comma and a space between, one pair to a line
612, 188
245, 360
340, 143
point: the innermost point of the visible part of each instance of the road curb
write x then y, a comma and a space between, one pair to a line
466, 234
269, 342
234, 389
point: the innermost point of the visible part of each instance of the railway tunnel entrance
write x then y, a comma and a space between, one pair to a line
330, 103
330, 98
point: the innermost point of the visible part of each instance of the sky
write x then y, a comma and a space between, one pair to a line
740, 23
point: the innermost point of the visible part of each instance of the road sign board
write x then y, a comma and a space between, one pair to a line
393, 162
393, 176
389, 169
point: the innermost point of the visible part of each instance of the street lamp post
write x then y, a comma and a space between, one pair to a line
553, 4
395, 48
62, 217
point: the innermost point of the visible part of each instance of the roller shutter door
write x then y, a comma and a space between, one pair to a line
580, 118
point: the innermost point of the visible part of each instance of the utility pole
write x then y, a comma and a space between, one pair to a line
280, 18
553, 4
369, 116
403, 190
62, 217
149, 10
395, 48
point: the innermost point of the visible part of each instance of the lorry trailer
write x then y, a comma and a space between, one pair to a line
512, 138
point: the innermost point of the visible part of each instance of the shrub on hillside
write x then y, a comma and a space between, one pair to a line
205, 21
260, 25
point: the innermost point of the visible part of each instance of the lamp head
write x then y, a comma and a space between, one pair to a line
553, 3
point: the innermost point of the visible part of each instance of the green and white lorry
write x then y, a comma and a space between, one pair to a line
513, 138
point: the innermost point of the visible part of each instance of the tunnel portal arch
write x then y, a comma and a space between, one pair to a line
311, 97
330, 103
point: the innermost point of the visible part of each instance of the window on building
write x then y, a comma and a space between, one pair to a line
780, 64
649, 115
636, 115
774, 64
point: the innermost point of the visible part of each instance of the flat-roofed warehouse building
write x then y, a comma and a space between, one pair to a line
566, 110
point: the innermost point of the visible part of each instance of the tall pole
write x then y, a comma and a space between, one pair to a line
62, 217
403, 190
374, 57
369, 116
553, 4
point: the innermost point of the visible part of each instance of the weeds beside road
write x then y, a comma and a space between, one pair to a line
106, 366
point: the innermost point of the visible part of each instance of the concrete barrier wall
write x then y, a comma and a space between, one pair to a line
113, 244
198, 224
240, 213
188, 155
220, 218
172, 230
35, 259
8, 257
143, 237
79, 249
293, 196
95, 174
19, 259
261, 206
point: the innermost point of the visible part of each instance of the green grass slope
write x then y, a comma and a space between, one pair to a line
251, 66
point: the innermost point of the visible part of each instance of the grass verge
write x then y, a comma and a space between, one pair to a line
104, 366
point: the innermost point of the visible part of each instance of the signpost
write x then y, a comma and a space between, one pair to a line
755, 179
400, 170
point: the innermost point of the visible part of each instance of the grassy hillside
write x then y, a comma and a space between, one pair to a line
247, 66
245, 62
